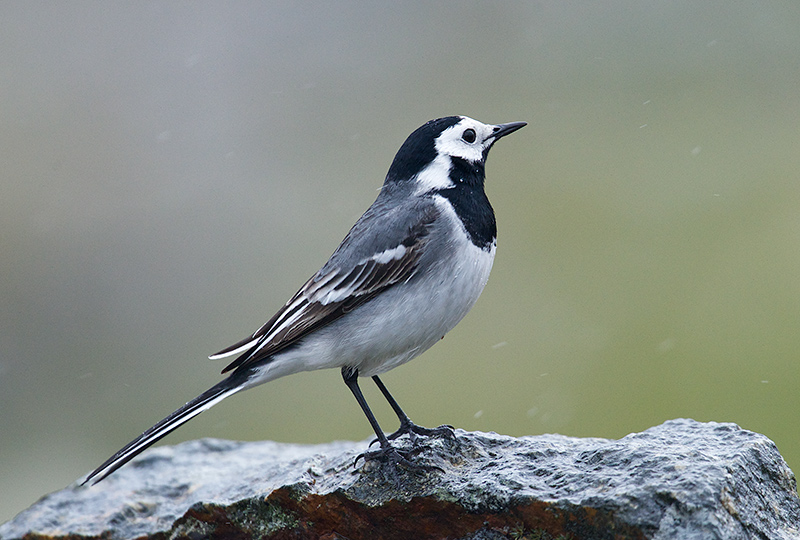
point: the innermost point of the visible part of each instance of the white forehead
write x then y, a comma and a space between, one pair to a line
451, 141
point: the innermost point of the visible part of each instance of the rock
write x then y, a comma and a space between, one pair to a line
683, 479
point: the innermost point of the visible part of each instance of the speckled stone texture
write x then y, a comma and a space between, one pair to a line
683, 480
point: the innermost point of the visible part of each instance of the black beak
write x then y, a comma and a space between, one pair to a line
501, 130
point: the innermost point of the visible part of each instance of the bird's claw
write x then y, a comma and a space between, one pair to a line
411, 429
444, 431
390, 454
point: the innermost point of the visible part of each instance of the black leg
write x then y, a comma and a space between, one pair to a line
403, 417
387, 452
350, 377
406, 425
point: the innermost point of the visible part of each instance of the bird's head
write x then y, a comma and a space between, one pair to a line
428, 154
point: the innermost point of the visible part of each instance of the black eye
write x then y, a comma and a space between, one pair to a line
469, 135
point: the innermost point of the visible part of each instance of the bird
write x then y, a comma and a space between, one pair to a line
405, 274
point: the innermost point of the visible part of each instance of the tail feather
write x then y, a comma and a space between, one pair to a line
204, 401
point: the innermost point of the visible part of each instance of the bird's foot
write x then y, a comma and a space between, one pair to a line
413, 430
395, 457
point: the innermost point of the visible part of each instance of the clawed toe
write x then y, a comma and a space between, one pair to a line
413, 430
444, 431
395, 457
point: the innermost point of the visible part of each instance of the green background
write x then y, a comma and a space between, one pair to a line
173, 171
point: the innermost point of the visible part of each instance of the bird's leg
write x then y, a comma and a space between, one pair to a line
387, 452
406, 425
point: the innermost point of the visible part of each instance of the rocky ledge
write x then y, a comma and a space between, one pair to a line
683, 480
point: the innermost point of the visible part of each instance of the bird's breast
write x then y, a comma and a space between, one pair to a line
413, 316
409, 317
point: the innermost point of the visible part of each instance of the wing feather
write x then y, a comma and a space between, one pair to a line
328, 295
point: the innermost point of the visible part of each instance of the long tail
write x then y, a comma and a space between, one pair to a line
204, 401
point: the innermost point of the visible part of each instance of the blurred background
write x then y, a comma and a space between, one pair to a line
173, 172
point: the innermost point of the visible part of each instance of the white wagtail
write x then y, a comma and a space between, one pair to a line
407, 272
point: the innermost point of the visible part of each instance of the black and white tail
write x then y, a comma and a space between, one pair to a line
204, 401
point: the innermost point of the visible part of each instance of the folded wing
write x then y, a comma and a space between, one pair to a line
329, 294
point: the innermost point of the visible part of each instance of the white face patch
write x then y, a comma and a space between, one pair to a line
436, 175
466, 140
